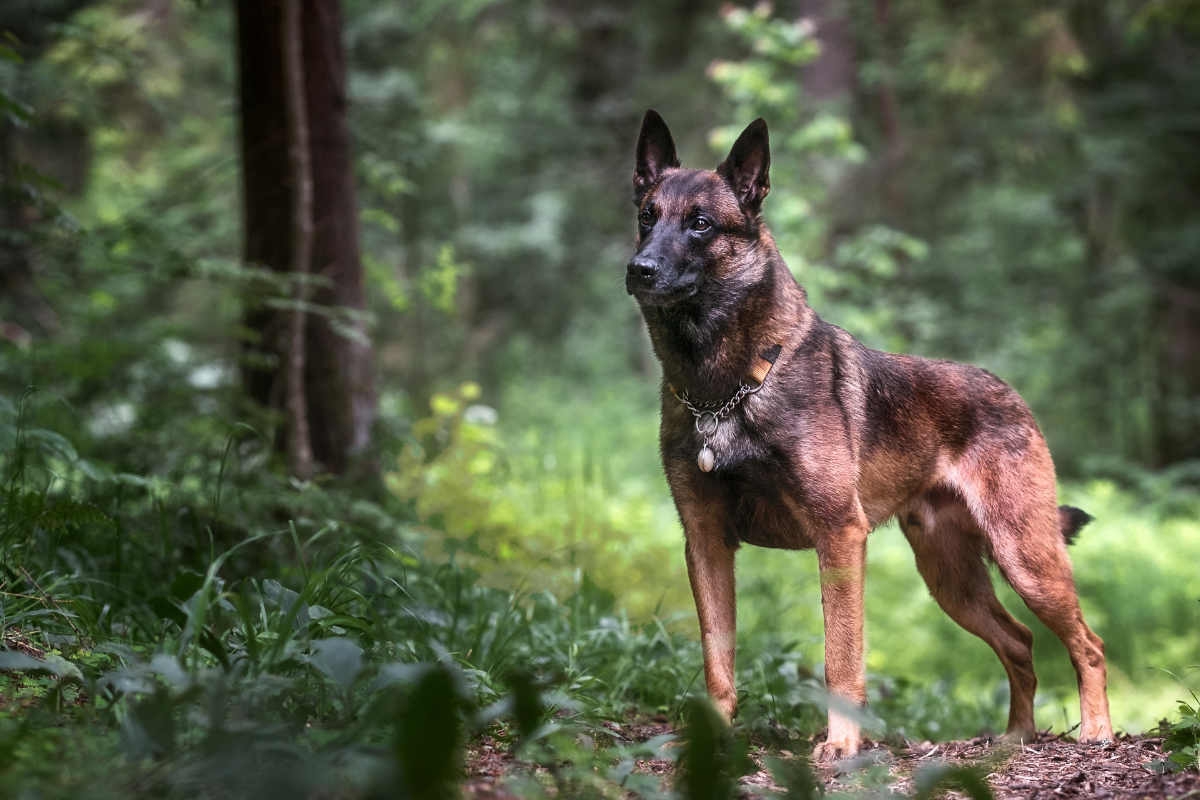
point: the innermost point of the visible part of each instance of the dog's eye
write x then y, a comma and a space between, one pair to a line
646, 218
701, 225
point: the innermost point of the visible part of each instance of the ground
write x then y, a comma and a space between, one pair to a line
1052, 767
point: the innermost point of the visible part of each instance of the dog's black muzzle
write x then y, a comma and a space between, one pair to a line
658, 276
642, 274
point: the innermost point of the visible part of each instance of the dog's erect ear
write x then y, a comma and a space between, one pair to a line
655, 153
748, 165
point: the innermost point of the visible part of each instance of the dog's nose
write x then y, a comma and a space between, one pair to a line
642, 269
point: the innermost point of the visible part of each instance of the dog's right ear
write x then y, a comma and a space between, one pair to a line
655, 153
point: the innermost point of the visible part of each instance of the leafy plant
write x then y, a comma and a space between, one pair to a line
935, 780
1181, 738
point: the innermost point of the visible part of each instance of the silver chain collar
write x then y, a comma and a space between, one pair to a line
708, 418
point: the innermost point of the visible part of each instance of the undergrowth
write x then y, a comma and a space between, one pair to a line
1181, 738
255, 635
220, 631
211, 629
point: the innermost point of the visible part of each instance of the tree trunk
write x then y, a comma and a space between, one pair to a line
299, 439
24, 312
28, 27
889, 121
339, 388
833, 74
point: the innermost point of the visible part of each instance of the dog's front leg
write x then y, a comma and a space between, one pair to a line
842, 558
710, 570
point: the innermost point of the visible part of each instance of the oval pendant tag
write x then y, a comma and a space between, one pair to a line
707, 459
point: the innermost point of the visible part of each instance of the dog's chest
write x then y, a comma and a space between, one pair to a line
721, 444
747, 462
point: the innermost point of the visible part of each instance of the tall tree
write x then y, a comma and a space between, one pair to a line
318, 328
27, 28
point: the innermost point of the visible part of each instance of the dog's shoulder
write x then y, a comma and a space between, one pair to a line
962, 402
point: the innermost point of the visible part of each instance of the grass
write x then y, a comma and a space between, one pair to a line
212, 630
1134, 567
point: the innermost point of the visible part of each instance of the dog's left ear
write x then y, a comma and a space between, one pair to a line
746, 169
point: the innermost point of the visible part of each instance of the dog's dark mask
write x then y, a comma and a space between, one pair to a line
688, 219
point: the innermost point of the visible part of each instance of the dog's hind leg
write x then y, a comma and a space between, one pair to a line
949, 553
1039, 570
1020, 518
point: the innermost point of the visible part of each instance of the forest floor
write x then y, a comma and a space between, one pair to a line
1052, 767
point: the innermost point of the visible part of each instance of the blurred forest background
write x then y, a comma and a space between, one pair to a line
316, 360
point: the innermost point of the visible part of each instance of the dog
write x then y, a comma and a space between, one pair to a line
782, 430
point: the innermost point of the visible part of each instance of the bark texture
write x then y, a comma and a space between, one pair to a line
299, 438
339, 387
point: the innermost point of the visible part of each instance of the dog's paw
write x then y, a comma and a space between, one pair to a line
1096, 734
832, 750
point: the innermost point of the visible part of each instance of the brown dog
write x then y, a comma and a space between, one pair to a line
781, 430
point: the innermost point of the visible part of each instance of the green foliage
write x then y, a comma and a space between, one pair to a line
813, 149
712, 759
1181, 738
1030, 181
537, 504
936, 779
797, 777
321, 650
241, 678
428, 736
178, 620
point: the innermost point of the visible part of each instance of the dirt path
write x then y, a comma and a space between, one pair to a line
1053, 767
1050, 768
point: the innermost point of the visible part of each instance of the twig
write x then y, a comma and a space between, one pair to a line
936, 747
1059, 737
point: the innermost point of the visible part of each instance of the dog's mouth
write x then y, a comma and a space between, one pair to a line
660, 296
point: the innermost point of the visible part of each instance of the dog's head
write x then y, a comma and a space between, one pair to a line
696, 228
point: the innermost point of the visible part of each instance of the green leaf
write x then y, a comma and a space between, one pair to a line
935, 780
796, 775
148, 730
340, 660
54, 664
18, 111
712, 759
428, 742
168, 667
51, 443
528, 708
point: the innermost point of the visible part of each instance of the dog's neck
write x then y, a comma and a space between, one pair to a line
707, 346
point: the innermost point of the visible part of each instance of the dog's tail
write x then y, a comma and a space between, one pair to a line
1071, 520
